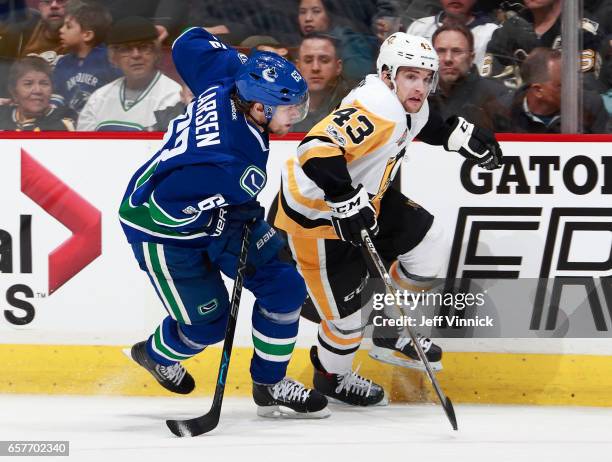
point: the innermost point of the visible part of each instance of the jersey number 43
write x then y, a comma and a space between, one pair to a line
357, 128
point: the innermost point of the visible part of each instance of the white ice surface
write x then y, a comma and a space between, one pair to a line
114, 429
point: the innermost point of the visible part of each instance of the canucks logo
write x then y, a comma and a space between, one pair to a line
208, 307
253, 180
270, 74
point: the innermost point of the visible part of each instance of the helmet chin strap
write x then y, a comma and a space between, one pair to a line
268, 113
392, 80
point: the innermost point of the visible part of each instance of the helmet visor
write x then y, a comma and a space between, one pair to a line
293, 113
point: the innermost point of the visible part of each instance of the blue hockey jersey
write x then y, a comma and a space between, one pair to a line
75, 79
212, 157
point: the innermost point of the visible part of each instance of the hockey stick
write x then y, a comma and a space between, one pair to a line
372, 255
207, 422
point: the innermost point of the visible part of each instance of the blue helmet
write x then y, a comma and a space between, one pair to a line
269, 79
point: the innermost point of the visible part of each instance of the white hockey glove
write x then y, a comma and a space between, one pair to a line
351, 213
477, 144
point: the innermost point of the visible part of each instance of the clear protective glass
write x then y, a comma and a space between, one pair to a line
292, 114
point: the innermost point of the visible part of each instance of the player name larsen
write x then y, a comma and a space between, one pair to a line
434, 321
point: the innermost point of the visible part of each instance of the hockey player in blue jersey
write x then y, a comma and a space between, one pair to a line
184, 210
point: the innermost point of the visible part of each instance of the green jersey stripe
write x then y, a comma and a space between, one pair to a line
161, 217
158, 339
271, 349
273, 358
158, 275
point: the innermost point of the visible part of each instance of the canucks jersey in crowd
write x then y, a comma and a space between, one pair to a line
75, 79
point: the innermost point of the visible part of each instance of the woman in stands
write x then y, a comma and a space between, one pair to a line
29, 84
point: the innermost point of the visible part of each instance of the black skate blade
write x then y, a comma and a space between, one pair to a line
194, 427
450, 413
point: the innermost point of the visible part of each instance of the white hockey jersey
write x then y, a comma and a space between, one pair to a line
108, 110
482, 30
370, 130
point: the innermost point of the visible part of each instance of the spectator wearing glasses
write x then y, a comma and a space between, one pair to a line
30, 87
86, 67
38, 35
536, 106
461, 90
129, 103
463, 12
319, 63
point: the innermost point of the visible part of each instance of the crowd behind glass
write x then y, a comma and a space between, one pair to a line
106, 65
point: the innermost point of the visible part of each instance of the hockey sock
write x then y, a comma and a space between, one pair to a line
169, 344
274, 336
337, 347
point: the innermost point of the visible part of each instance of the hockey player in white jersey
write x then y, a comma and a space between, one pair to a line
338, 184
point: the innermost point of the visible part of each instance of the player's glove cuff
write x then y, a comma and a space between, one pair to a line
351, 213
474, 143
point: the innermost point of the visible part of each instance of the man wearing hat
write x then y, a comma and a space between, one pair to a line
129, 103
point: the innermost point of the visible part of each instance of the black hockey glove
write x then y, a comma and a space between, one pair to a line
351, 213
477, 144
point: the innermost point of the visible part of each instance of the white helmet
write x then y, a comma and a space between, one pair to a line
401, 49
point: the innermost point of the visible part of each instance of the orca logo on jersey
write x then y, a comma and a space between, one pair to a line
208, 307
270, 74
253, 180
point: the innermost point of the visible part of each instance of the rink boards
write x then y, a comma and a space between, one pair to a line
72, 295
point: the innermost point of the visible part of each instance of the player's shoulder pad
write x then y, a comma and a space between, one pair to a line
377, 99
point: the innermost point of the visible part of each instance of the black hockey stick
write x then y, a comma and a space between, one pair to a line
207, 422
372, 256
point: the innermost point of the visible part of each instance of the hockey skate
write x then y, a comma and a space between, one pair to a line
392, 348
274, 400
349, 388
173, 378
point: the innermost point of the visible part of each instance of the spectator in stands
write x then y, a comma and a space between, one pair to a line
537, 25
536, 106
128, 103
13, 12
600, 11
358, 51
235, 20
86, 67
38, 34
413, 10
319, 63
481, 24
264, 43
30, 87
167, 15
461, 90
44, 39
